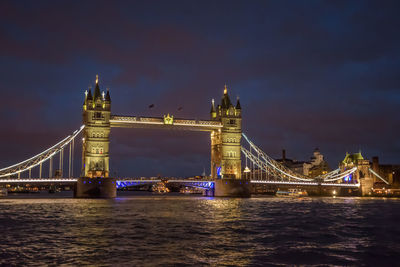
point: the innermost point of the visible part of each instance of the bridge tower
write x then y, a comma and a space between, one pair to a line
96, 118
95, 145
226, 165
362, 174
225, 143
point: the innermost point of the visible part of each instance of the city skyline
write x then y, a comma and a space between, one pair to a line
306, 79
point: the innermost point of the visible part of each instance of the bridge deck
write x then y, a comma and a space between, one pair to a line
163, 123
183, 181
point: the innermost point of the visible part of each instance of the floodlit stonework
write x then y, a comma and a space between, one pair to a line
225, 142
96, 135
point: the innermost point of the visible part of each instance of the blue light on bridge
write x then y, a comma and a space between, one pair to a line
348, 178
219, 172
190, 183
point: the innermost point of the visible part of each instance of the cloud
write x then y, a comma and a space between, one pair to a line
309, 74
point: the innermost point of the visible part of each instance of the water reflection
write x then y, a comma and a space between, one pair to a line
174, 230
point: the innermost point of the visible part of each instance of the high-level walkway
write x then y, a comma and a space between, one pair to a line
159, 122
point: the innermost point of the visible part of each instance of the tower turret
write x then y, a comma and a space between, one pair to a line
85, 101
238, 104
213, 111
89, 95
226, 101
88, 99
238, 108
97, 94
107, 100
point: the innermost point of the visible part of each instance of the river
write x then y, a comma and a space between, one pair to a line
181, 230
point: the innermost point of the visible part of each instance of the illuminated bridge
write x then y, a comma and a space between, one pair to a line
230, 174
259, 169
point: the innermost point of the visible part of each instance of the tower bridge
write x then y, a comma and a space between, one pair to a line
228, 143
225, 127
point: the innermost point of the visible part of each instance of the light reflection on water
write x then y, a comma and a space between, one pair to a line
150, 230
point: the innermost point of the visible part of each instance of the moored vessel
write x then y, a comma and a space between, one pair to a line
292, 192
160, 188
3, 192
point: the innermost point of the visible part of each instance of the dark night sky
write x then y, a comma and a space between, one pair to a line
309, 74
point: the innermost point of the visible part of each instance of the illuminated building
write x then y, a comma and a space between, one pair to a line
317, 166
225, 142
96, 134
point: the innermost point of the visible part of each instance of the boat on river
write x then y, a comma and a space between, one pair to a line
160, 188
293, 192
3, 192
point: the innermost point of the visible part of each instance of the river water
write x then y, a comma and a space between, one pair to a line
178, 230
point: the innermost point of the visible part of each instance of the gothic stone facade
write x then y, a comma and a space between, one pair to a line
96, 135
225, 143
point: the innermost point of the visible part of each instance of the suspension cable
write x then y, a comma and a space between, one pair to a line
39, 158
269, 163
377, 175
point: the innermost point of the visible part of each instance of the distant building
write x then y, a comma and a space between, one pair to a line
317, 166
292, 164
390, 172
313, 168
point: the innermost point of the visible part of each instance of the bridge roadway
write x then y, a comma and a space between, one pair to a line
206, 184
